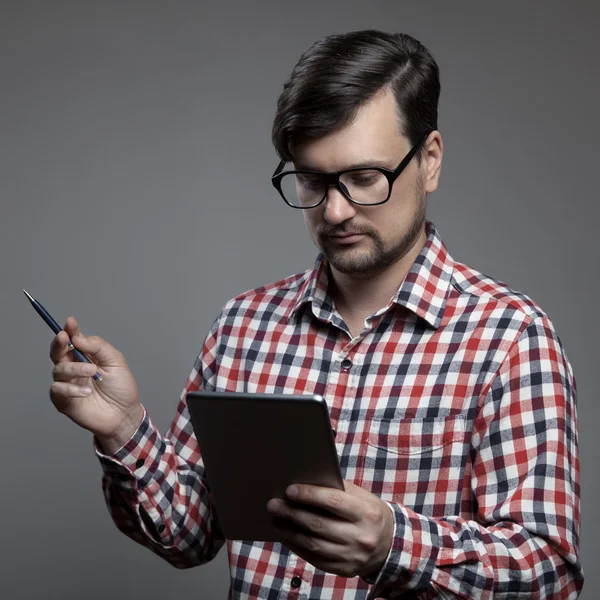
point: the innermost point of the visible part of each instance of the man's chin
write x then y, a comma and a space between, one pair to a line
348, 265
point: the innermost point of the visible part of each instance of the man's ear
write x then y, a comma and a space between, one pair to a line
433, 160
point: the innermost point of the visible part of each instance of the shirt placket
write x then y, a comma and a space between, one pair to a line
342, 385
298, 577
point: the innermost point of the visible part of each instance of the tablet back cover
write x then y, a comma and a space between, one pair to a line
254, 446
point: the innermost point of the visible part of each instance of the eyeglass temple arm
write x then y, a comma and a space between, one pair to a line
278, 169
410, 155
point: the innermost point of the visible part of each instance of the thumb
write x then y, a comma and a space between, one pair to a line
98, 350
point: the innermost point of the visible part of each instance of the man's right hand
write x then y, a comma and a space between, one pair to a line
110, 408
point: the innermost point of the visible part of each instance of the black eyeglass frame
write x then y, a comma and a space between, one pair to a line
333, 178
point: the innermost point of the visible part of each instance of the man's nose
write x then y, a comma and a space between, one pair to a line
337, 207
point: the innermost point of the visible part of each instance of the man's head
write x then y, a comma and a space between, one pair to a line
364, 97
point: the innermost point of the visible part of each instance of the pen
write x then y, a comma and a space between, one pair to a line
57, 329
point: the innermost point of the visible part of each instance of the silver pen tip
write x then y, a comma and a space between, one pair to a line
25, 292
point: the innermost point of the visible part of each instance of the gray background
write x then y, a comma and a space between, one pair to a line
135, 159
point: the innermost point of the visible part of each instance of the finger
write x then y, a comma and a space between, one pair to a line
317, 522
335, 561
62, 393
305, 554
323, 554
66, 371
98, 350
356, 490
337, 502
59, 348
72, 327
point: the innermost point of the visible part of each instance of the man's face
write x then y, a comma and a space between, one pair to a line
381, 234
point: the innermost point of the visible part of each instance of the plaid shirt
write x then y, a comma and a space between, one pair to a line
455, 404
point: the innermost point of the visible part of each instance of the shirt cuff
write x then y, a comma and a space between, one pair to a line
411, 560
130, 467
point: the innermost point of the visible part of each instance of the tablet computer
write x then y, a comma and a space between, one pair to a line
254, 446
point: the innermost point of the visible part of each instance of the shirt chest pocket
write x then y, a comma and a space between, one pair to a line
417, 461
415, 435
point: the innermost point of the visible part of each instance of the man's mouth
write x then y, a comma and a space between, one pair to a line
346, 238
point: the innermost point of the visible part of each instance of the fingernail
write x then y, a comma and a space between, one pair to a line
292, 491
275, 504
85, 390
90, 369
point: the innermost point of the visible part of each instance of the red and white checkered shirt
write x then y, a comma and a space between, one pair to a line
456, 404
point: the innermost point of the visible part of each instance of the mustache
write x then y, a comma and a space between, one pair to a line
327, 231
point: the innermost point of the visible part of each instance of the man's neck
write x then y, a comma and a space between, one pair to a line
356, 298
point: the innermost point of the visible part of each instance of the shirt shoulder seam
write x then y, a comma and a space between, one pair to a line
505, 295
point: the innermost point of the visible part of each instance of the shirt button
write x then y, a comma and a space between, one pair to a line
161, 528
346, 364
139, 463
296, 582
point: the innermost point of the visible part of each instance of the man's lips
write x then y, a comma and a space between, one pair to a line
346, 238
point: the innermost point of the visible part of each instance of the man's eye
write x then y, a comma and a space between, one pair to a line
309, 182
364, 179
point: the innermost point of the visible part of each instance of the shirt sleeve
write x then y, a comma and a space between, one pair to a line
522, 542
155, 487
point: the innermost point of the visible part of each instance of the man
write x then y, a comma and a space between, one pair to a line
451, 396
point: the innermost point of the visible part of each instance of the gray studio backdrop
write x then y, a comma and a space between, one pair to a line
135, 159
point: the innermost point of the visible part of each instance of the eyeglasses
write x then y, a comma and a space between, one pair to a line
366, 186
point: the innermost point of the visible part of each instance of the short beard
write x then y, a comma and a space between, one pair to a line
379, 258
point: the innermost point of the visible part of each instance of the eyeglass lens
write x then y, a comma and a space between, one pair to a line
366, 186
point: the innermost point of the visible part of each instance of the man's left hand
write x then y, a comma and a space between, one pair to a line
347, 533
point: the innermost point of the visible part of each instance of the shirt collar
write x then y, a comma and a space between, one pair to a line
423, 291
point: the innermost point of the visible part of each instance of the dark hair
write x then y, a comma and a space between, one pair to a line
341, 72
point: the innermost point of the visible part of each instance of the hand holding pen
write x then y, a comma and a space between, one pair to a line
107, 405
50, 321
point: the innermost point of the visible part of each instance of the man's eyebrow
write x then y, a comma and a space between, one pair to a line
375, 162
